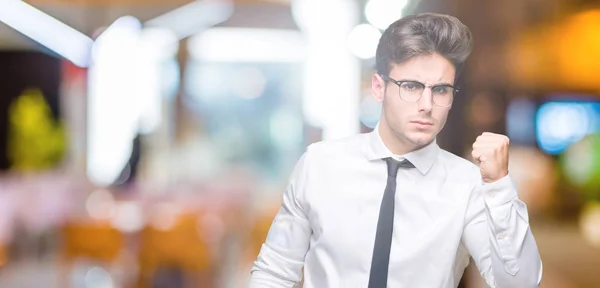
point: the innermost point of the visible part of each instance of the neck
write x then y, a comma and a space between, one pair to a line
393, 142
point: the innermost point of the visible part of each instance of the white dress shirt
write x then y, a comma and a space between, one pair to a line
444, 213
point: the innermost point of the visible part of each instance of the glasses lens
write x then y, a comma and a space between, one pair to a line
442, 95
411, 91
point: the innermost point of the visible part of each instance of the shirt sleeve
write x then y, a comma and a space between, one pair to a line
498, 236
281, 258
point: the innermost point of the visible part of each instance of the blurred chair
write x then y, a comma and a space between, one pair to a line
3, 255
260, 229
254, 235
96, 241
257, 234
178, 245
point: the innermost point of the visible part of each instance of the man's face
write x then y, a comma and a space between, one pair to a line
415, 124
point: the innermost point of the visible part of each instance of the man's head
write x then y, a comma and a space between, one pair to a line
418, 60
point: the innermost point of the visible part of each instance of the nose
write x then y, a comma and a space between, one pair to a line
426, 102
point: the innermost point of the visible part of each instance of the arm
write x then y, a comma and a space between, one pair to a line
498, 236
281, 257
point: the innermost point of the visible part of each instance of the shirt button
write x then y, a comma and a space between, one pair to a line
501, 236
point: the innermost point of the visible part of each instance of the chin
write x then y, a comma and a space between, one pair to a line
419, 139
421, 142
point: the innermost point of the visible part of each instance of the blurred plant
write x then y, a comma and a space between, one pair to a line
35, 140
581, 166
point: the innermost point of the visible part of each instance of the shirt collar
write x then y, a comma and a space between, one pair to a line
423, 158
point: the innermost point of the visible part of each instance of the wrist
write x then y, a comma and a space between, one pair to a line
498, 177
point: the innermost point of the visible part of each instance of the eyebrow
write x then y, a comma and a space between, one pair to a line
434, 85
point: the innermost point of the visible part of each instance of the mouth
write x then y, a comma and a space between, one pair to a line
422, 123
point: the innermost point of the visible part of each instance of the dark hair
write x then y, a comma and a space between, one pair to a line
424, 34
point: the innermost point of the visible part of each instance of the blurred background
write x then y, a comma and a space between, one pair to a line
147, 143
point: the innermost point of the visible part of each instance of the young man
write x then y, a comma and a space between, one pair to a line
392, 209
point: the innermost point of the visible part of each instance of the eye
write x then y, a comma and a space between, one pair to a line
410, 86
442, 90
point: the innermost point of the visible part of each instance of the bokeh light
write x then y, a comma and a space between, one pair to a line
590, 223
363, 41
560, 124
382, 13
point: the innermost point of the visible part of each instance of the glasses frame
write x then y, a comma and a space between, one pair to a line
400, 82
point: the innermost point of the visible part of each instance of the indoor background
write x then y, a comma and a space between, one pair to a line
147, 143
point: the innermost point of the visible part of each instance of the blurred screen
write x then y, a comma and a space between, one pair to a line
562, 122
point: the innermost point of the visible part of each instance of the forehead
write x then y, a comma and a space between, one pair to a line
429, 69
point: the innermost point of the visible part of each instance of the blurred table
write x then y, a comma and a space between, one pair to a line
565, 253
568, 261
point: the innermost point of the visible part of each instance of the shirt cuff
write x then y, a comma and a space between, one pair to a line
499, 192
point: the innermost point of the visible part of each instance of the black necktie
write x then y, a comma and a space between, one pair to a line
385, 225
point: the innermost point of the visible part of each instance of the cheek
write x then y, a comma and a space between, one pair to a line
441, 115
395, 110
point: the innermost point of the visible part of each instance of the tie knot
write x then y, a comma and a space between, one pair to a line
393, 165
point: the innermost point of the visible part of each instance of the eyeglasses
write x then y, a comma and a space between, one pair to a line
411, 91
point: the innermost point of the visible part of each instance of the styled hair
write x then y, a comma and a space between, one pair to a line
421, 35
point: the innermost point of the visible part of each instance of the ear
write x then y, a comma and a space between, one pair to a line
378, 88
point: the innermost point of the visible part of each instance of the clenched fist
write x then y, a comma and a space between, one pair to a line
490, 152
